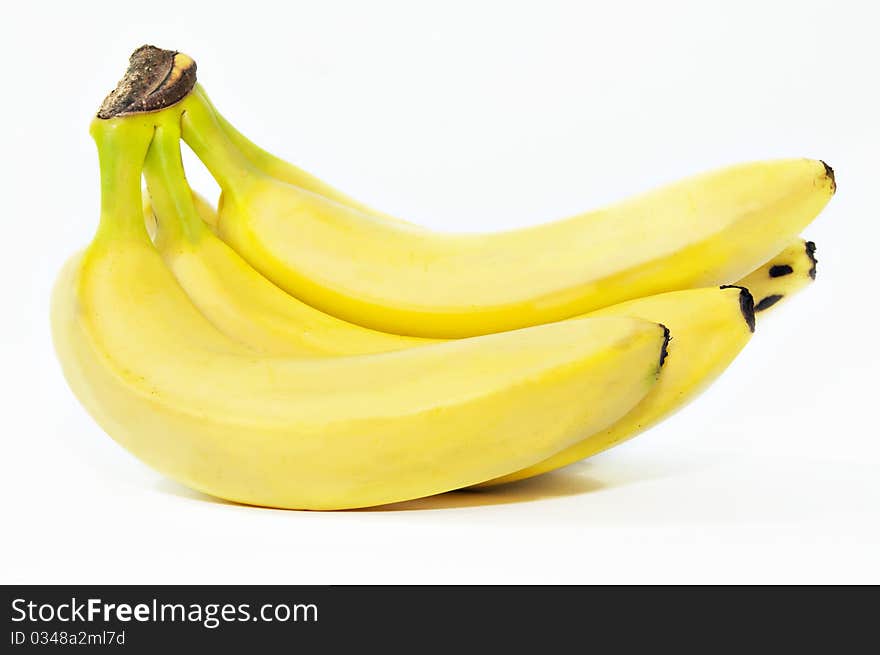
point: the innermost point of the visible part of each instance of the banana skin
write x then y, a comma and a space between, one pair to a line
398, 278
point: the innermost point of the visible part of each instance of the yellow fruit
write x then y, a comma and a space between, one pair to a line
395, 277
316, 433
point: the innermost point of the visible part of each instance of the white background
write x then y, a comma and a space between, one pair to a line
473, 115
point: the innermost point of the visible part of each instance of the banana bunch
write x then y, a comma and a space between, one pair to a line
294, 348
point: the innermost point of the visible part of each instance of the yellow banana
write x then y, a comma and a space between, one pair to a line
317, 433
764, 282
393, 277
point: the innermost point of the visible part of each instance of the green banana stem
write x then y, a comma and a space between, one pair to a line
201, 131
283, 171
122, 147
258, 156
171, 195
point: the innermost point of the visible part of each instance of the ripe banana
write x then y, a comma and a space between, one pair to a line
796, 261
316, 433
396, 278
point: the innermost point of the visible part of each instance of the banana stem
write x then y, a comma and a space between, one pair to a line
122, 147
171, 195
201, 131
258, 157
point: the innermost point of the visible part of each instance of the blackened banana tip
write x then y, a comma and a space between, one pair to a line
811, 253
829, 173
746, 304
664, 350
